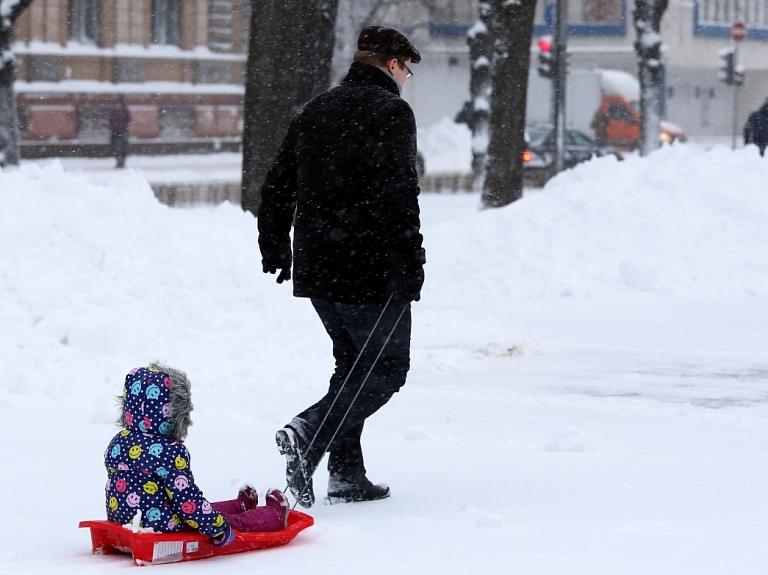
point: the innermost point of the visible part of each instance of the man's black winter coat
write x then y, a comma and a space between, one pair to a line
347, 171
756, 128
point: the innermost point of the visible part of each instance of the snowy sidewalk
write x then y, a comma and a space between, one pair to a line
208, 178
175, 179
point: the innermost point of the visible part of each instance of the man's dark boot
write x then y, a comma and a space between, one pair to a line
342, 492
299, 477
347, 481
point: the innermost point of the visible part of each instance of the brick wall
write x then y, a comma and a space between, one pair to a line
80, 118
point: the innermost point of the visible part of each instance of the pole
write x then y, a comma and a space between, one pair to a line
559, 81
735, 87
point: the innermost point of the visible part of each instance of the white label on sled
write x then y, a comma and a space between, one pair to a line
167, 552
192, 546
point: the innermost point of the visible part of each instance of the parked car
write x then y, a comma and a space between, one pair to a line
672, 133
538, 158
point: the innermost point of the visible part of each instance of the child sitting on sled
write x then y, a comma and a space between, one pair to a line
149, 467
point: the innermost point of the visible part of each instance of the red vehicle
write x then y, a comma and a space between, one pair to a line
617, 124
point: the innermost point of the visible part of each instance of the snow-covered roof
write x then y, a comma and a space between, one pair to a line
153, 51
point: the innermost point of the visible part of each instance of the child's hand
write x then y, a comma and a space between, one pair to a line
225, 539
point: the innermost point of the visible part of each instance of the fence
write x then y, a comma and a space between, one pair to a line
196, 193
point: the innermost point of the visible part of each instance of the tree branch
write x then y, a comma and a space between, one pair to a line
10, 10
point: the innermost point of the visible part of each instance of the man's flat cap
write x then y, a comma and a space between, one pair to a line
387, 41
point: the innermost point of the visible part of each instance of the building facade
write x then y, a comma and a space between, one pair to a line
601, 35
179, 63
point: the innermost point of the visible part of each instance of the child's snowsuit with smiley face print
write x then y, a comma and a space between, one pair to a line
148, 466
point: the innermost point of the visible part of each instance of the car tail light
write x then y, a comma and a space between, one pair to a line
526, 156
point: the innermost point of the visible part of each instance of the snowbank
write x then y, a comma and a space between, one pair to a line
108, 271
112, 274
684, 221
446, 147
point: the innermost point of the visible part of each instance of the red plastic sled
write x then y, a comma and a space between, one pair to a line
157, 548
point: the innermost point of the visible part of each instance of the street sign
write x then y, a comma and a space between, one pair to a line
738, 31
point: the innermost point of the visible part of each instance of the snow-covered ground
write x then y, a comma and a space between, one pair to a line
587, 397
445, 146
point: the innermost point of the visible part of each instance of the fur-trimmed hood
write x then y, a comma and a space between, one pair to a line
157, 400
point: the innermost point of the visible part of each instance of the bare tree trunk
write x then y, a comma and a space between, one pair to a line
647, 17
10, 10
511, 27
480, 88
289, 62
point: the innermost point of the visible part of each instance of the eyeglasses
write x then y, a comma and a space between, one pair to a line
408, 72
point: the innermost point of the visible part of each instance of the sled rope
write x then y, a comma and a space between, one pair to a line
352, 403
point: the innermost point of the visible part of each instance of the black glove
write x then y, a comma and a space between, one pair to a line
405, 285
285, 272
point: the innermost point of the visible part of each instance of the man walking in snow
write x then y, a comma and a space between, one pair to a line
756, 129
346, 171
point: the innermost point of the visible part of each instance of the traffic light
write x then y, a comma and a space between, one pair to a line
738, 75
726, 71
547, 59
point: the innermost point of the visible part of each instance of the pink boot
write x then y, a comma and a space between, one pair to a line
248, 497
270, 517
277, 500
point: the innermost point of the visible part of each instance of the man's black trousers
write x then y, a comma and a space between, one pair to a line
349, 326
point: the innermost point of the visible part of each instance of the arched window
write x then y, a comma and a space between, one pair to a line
83, 21
166, 22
